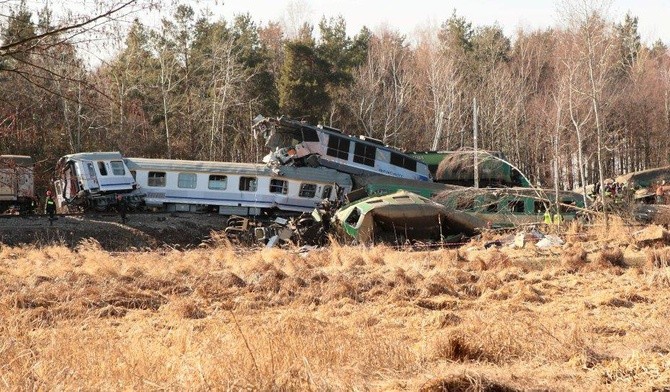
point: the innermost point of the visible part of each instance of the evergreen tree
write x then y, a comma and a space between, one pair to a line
302, 85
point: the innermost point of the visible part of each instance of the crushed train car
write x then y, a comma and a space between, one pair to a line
381, 185
92, 180
644, 178
17, 183
298, 143
400, 217
457, 168
511, 207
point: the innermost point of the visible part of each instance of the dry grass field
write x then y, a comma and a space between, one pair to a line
591, 315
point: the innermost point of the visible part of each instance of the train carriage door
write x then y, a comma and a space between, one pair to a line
87, 176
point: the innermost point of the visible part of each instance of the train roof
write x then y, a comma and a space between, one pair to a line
93, 156
319, 174
23, 160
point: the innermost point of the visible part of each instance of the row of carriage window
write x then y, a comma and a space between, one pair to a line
365, 154
216, 181
247, 184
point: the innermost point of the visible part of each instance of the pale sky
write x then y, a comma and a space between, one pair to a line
406, 15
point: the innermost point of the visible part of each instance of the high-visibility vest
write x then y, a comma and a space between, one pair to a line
547, 217
558, 219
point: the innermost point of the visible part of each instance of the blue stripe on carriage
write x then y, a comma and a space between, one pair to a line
232, 200
129, 184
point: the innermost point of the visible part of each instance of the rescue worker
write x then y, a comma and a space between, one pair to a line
50, 208
547, 217
122, 207
558, 219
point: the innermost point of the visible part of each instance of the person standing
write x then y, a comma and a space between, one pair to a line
122, 207
50, 208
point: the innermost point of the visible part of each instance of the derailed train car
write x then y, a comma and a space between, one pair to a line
235, 188
95, 180
17, 185
297, 143
403, 216
91, 180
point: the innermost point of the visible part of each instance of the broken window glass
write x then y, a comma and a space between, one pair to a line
102, 168
278, 186
307, 190
248, 184
156, 179
353, 217
326, 192
518, 206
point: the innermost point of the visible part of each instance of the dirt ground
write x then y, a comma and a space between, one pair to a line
141, 231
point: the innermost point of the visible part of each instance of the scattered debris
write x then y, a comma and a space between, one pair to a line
651, 235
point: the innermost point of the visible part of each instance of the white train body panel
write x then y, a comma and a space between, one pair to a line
94, 178
293, 140
235, 188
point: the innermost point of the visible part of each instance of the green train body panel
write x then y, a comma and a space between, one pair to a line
457, 167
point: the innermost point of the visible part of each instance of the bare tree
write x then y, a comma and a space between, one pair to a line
593, 47
384, 88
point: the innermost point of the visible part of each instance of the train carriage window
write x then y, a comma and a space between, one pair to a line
187, 180
278, 186
539, 206
91, 170
403, 161
248, 184
217, 182
326, 192
156, 179
307, 190
517, 205
117, 168
338, 147
365, 154
309, 135
102, 168
353, 217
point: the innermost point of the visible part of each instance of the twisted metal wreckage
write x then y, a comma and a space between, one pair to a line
317, 181
394, 198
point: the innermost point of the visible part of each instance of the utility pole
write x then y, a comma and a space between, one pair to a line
474, 129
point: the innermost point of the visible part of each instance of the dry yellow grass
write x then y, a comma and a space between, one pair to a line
362, 318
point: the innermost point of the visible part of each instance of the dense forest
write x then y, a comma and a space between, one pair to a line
570, 104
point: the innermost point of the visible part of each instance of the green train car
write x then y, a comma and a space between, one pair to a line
457, 168
511, 207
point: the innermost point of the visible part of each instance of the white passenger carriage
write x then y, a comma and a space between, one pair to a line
234, 188
16, 182
297, 142
93, 179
